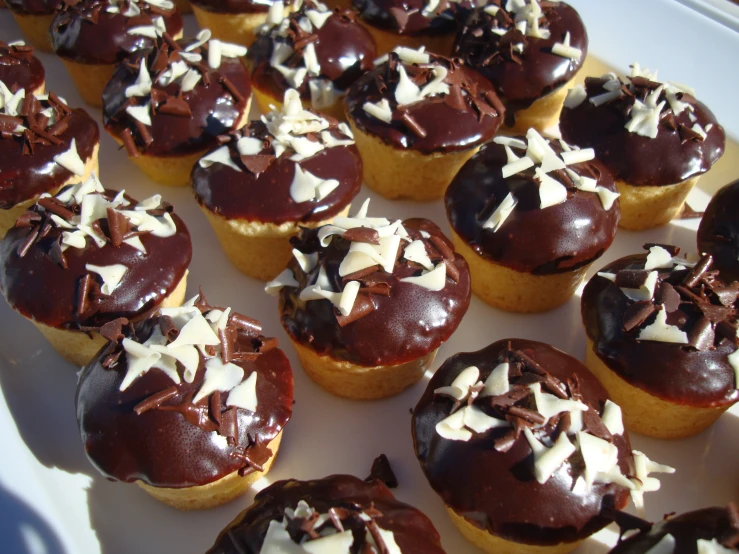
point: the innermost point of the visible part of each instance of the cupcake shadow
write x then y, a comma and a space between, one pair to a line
24, 531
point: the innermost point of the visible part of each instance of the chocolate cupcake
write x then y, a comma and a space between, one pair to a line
530, 215
339, 513
20, 68
706, 531
524, 447
316, 51
718, 233
292, 169
34, 17
367, 302
190, 404
410, 23
530, 52
662, 338
236, 20
168, 105
417, 118
76, 261
92, 37
44, 146
655, 137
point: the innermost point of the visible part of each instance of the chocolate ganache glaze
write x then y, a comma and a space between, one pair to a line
511, 221
43, 144
341, 50
194, 419
670, 330
235, 6
719, 527
646, 132
513, 395
34, 7
108, 31
368, 511
425, 102
182, 102
392, 320
523, 65
19, 67
246, 179
53, 262
410, 17
718, 233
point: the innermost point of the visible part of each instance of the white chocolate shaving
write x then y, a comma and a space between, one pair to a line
645, 291
142, 86
244, 395
433, 280
565, 50
549, 405
548, 460
141, 113
575, 96
460, 387
221, 155
613, 418
501, 213
416, 252
551, 191
284, 279
712, 547
70, 160
497, 382
218, 377
658, 258
642, 482
306, 187
661, 331
110, 274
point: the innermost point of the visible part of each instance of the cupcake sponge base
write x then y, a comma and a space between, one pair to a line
259, 250
239, 28
213, 494
645, 413
36, 29
264, 99
515, 291
487, 542
541, 115
647, 207
348, 380
398, 173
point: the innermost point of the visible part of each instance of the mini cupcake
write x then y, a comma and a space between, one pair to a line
662, 338
34, 17
76, 261
93, 36
706, 531
417, 118
234, 20
525, 449
20, 68
190, 404
44, 146
530, 52
314, 50
409, 23
293, 169
338, 514
530, 215
167, 105
367, 302
656, 139
718, 233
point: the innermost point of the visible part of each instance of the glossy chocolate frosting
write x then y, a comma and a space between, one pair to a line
344, 49
674, 155
465, 118
19, 67
718, 233
496, 490
46, 285
719, 524
521, 78
555, 239
181, 122
153, 432
406, 324
407, 17
412, 531
234, 6
34, 7
85, 31
695, 374
262, 192
27, 159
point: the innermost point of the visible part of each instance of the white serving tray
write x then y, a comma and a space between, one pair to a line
52, 501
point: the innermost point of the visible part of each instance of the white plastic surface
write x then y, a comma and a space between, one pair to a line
51, 499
